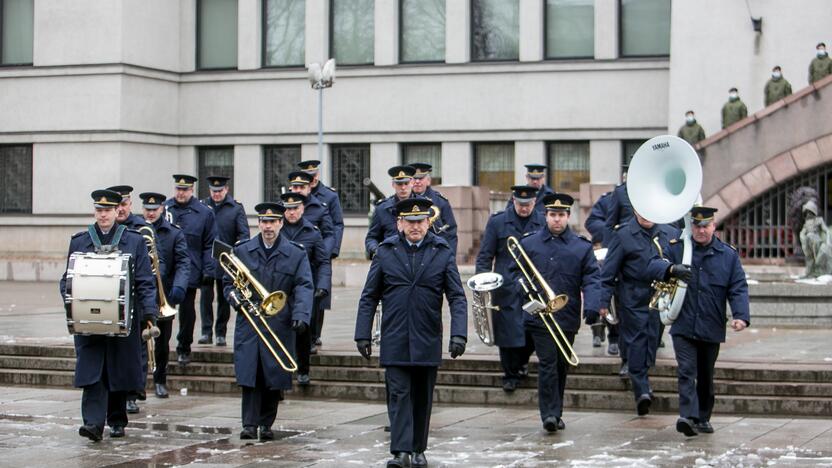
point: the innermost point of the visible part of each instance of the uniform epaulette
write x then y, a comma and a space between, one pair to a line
616, 227
78, 234
316, 228
529, 233
673, 241
440, 195
323, 203
732, 246
581, 236
299, 245
331, 188
497, 213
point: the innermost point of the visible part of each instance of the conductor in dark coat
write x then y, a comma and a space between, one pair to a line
410, 273
108, 367
279, 265
519, 219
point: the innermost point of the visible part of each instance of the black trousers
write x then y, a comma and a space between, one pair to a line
319, 321
99, 404
206, 309
552, 370
162, 343
259, 406
695, 371
641, 331
187, 318
513, 359
303, 341
409, 403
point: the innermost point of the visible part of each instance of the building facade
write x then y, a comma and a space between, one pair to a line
102, 92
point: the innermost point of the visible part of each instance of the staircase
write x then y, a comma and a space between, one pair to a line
746, 388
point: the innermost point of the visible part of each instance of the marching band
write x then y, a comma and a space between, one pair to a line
545, 282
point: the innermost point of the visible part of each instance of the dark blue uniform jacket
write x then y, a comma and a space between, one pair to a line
174, 261
620, 210
446, 217
596, 221
329, 198
307, 235
383, 224
231, 222
197, 222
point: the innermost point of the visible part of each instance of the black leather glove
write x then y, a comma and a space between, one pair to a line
207, 281
299, 326
365, 348
234, 301
681, 272
591, 316
321, 293
456, 346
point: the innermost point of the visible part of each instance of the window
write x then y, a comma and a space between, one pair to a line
16, 31
216, 32
570, 29
645, 28
350, 166
352, 35
15, 179
284, 33
278, 163
495, 30
568, 165
628, 149
422, 25
430, 153
214, 161
494, 166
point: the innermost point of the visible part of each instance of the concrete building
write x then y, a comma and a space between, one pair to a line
102, 92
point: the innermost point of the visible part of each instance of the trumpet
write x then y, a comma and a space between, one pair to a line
165, 309
256, 301
542, 299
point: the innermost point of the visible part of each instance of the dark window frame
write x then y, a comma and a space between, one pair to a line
300, 66
264, 149
30, 208
202, 181
546, 42
475, 157
199, 30
471, 39
550, 173
401, 34
333, 176
403, 150
621, 37
331, 38
21, 64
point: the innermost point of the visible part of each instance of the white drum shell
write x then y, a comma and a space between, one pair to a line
99, 291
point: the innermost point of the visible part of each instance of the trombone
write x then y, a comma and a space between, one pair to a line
256, 301
165, 309
542, 300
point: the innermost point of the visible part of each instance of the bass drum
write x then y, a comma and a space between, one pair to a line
99, 293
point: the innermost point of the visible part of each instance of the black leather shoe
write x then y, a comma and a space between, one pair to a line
418, 460
313, 349
248, 433
132, 407
303, 380
643, 404
161, 390
550, 424
183, 359
91, 432
524, 371
561, 424
624, 372
686, 427
142, 395
205, 339
387, 428
221, 341
318, 341
612, 349
509, 386
704, 427
117, 431
266, 433
399, 460
661, 344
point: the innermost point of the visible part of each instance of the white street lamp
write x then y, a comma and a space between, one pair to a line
320, 78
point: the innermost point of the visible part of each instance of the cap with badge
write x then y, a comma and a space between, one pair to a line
184, 181
217, 183
292, 200
310, 166
535, 171
413, 209
105, 198
558, 202
702, 215
401, 174
299, 178
422, 170
152, 200
523, 194
123, 190
269, 210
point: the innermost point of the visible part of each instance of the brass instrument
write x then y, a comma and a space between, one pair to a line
165, 309
542, 300
612, 313
377, 325
256, 301
481, 287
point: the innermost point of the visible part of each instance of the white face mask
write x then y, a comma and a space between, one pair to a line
821, 53
733, 96
776, 75
690, 119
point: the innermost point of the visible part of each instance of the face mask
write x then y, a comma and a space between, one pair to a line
776, 75
690, 119
733, 96
821, 53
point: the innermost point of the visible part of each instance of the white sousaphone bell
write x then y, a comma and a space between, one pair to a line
663, 184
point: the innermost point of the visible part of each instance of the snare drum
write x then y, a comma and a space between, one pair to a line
99, 290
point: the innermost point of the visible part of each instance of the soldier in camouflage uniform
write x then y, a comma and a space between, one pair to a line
734, 110
777, 87
821, 65
691, 131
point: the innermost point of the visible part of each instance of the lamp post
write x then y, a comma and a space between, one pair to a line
320, 78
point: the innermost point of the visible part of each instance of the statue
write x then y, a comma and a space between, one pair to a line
815, 241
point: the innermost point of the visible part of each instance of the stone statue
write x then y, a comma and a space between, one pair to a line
816, 242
